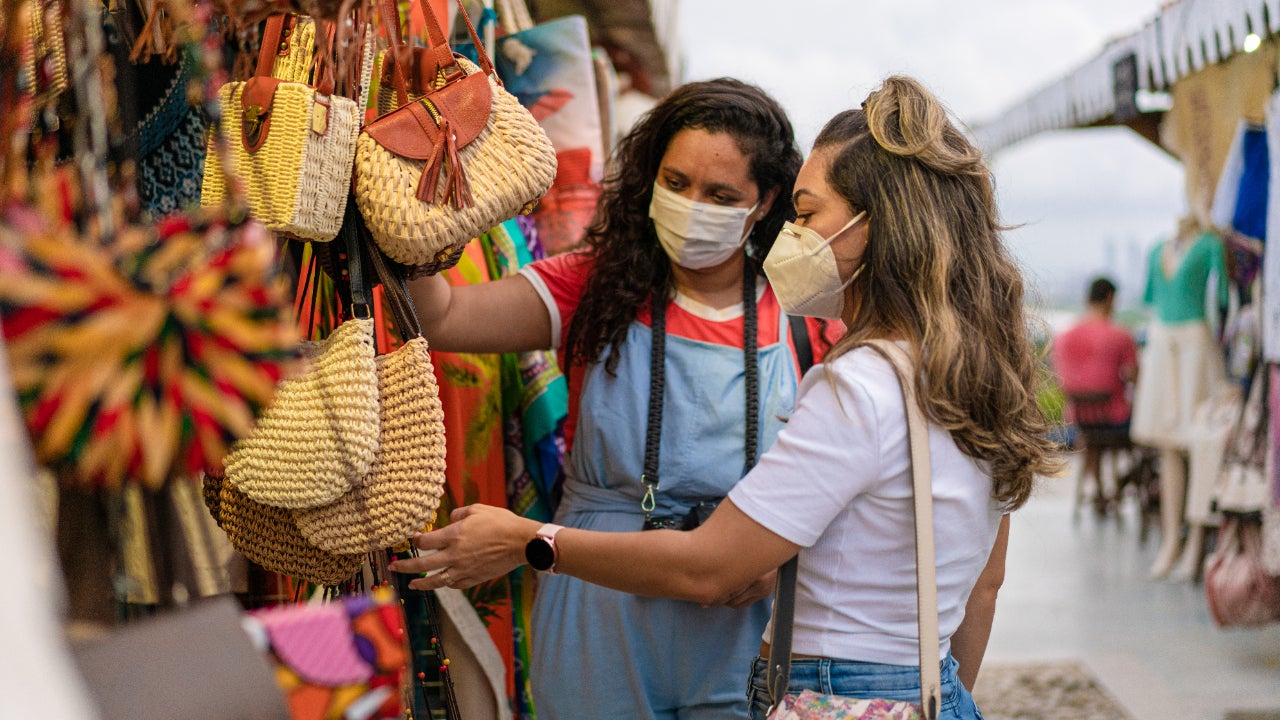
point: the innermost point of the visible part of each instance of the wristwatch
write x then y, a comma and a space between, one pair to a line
541, 552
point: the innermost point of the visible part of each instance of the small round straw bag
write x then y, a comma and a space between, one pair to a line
454, 161
268, 536
400, 494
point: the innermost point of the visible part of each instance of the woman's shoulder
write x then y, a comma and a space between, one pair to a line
577, 263
858, 375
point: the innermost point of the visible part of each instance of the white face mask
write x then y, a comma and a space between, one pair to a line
697, 235
803, 272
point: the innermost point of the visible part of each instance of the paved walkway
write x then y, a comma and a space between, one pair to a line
1079, 590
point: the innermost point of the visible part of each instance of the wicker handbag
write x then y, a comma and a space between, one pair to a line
269, 536
296, 142
320, 432
450, 163
400, 494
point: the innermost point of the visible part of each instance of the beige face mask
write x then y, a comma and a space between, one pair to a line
803, 272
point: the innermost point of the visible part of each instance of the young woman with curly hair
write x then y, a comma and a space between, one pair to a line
698, 192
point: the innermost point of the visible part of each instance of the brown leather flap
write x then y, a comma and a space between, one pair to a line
255, 107
411, 131
466, 103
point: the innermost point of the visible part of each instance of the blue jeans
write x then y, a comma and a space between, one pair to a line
861, 680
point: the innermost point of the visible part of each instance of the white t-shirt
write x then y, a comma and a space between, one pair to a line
837, 482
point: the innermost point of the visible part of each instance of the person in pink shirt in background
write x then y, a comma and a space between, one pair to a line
1097, 359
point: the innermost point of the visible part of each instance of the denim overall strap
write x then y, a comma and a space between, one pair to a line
657, 385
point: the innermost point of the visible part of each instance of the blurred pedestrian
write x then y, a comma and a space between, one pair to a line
1096, 362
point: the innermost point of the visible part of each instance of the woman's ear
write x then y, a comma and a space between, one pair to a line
766, 204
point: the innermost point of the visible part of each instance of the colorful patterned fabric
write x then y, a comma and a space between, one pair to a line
549, 68
172, 148
340, 659
534, 406
475, 471
810, 705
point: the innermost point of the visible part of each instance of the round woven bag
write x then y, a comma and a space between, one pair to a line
400, 494
509, 166
268, 536
320, 433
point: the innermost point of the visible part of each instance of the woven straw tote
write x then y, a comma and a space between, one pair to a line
321, 431
268, 536
460, 158
400, 494
295, 144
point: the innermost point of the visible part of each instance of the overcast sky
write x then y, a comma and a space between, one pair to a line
1088, 200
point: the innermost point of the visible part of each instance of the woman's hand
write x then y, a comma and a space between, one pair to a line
751, 593
479, 543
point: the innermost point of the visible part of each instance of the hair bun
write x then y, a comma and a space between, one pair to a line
907, 120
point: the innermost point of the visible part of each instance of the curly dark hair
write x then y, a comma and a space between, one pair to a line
630, 265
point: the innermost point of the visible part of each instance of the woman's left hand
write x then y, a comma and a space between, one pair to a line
479, 543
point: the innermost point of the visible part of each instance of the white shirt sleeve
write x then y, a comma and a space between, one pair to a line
540, 287
826, 455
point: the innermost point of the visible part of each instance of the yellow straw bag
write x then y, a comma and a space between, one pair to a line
458, 159
296, 144
320, 432
400, 494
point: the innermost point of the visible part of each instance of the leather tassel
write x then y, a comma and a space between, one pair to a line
457, 190
430, 175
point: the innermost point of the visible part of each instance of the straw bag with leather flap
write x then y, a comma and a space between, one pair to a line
459, 157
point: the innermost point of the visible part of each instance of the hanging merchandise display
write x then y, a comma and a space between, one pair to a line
1243, 484
399, 494
549, 68
138, 351
1240, 202
1239, 591
345, 658
1271, 260
321, 431
171, 152
293, 142
458, 158
268, 535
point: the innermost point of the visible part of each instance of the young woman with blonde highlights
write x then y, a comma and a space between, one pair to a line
896, 230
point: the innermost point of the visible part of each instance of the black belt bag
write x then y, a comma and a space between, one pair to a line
697, 515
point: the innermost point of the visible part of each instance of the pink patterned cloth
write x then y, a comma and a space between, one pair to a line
810, 705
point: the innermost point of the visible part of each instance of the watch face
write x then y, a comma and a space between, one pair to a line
540, 554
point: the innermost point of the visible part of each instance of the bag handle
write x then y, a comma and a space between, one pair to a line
438, 44
926, 559
274, 43
394, 284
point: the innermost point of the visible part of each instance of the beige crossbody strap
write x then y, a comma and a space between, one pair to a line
779, 670
926, 558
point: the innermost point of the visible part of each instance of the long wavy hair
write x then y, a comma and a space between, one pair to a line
630, 265
938, 275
